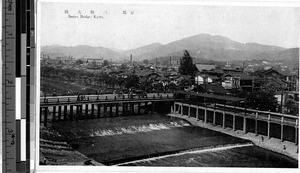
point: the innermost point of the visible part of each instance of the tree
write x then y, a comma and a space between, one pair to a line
132, 81
187, 67
105, 63
262, 101
145, 61
79, 61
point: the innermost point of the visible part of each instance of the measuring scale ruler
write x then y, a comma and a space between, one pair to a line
17, 53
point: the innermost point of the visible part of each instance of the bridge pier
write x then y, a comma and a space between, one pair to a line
189, 111
117, 109
233, 122
205, 114
244, 125
71, 113
110, 110
197, 114
65, 112
92, 111
105, 110
46, 116
77, 112
139, 108
146, 108
181, 108
98, 110
54, 113
59, 113
223, 125
281, 133
153, 106
132, 108
269, 127
86, 110
281, 130
296, 136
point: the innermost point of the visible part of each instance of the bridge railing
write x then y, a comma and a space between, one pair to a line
267, 116
270, 124
98, 98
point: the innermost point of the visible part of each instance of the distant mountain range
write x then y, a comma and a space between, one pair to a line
202, 47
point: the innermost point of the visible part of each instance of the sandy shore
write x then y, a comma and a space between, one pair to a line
287, 148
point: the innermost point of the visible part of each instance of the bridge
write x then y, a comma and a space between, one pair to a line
210, 109
64, 108
270, 124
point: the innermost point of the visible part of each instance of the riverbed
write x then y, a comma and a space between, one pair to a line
159, 140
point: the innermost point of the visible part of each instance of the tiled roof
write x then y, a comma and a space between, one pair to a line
278, 70
240, 75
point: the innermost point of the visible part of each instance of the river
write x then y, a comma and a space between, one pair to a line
159, 140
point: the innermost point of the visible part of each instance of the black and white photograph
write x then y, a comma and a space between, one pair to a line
171, 85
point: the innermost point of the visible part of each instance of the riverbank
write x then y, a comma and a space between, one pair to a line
286, 148
55, 150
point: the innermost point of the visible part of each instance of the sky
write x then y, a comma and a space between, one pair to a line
146, 24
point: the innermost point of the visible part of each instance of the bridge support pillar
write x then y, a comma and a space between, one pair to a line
153, 106
46, 116
123, 109
80, 112
86, 110
105, 110
92, 111
189, 111
59, 113
77, 112
98, 110
296, 136
71, 113
197, 113
281, 133
65, 112
54, 113
132, 109
223, 125
244, 125
269, 126
256, 116
269, 130
181, 108
146, 107
110, 110
233, 122
205, 114
214, 118
139, 108
174, 109
117, 109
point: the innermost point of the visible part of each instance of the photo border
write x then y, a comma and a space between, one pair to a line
35, 92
